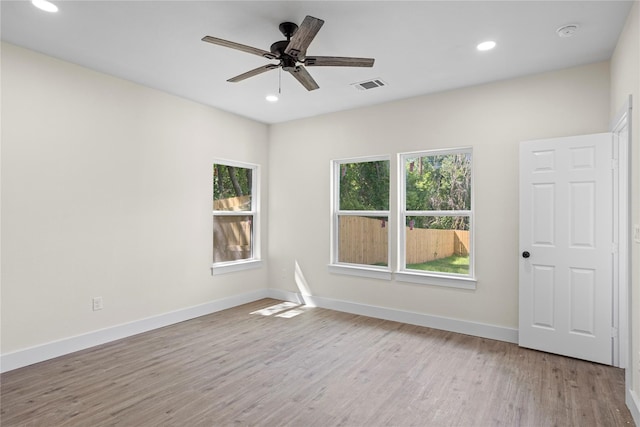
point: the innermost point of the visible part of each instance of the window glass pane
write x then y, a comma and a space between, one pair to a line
232, 238
231, 188
363, 240
438, 244
364, 186
438, 182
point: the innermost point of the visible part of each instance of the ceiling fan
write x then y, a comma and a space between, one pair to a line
292, 53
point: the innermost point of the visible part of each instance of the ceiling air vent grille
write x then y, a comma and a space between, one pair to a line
369, 84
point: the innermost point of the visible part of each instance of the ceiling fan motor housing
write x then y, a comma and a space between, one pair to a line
278, 48
288, 62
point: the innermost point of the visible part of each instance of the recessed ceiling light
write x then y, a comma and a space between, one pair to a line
45, 5
488, 45
271, 98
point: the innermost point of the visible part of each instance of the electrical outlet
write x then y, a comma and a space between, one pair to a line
97, 303
636, 233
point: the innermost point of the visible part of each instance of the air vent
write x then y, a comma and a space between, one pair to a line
369, 84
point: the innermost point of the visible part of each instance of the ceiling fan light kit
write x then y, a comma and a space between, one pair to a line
292, 53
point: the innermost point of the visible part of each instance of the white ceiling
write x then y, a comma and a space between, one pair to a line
420, 47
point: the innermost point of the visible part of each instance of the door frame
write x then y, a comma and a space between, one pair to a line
622, 217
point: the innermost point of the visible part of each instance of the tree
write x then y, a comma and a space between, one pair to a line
231, 181
364, 186
234, 181
439, 183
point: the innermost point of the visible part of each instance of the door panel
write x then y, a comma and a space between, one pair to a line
543, 214
543, 295
566, 214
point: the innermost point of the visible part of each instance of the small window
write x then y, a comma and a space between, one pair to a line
235, 218
361, 213
436, 213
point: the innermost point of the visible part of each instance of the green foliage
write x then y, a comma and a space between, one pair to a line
440, 183
230, 181
364, 186
433, 183
446, 222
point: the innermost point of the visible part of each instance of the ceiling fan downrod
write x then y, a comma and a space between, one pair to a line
288, 29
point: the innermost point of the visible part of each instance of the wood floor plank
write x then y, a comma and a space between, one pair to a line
318, 368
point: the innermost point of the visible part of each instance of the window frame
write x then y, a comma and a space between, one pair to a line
255, 261
402, 274
353, 269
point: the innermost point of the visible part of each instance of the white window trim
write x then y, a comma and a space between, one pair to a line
230, 267
255, 261
431, 278
450, 281
362, 270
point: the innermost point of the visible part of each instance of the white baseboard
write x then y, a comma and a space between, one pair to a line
47, 351
40, 353
483, 330
633, 403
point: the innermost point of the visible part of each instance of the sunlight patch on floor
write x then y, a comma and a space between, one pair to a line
290, 313
286, 310
269, 311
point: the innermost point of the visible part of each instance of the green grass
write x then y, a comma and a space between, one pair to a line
452, 264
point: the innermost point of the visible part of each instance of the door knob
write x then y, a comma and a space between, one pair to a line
526, 254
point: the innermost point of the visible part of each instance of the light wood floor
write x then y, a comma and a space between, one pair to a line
319, 368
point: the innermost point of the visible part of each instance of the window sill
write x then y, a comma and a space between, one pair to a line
230, 267
435, 279
361, 271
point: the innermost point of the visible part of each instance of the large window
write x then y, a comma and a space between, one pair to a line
361, 214
432, 222
436, 215
235, 216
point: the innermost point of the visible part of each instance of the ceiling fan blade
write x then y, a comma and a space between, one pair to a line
303, 36
254, 72
303, 76
238, 46
337, 61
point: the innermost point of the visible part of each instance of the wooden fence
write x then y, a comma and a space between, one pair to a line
232, 234
233, 204
365, 241
362, 240
424, 245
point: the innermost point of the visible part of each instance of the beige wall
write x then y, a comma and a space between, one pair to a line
625, 81
491, 118
106, 191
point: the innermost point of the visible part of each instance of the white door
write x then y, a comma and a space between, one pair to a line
566, 246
